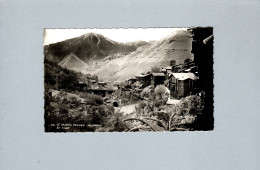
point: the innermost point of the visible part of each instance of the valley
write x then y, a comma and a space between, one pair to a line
94, 84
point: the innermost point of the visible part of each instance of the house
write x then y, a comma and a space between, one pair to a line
82, 85
157, 78
163, 70
131, 81
168, 71
181, 84
144, 79
101, 91
93, 82
102, 84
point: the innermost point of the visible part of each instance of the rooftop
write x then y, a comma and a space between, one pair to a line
183, 76
163, 69
158, 74
142, 75
101, 82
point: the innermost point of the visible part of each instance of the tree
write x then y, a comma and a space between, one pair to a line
161, 93
146, 92
93, 99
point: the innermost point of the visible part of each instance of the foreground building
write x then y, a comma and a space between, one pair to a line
202, 48
157, 78
145, 79
182, 84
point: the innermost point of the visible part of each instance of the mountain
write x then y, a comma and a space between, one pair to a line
72, 62
112, 61
176, 46
88, 47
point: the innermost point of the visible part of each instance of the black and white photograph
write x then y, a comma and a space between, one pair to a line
128, 80
132, 85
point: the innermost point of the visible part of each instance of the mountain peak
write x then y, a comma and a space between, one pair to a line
94, 53
91, 35
88, 47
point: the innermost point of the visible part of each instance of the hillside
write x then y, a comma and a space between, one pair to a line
113, 61
72, 62
157, 53
88, 47
57, 77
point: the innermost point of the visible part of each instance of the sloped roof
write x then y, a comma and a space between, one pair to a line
158, 74
183, 76
142, 75
163, 69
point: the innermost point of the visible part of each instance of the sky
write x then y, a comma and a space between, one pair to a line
119, 35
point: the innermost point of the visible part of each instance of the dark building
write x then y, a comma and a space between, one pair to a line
157, 78
163, 70
168, 71
202, 48
82, 85
145, 80
184, 87
101, 91
181, 84
172, 63
93, 82
102, 84
131, 81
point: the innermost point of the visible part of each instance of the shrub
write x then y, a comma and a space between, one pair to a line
115, 122
146, 92
93, 99
192, 105
160, 89
64, 111
140, 107
161, 93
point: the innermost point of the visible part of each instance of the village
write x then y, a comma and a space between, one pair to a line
130, 98
180, 80
169, 98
